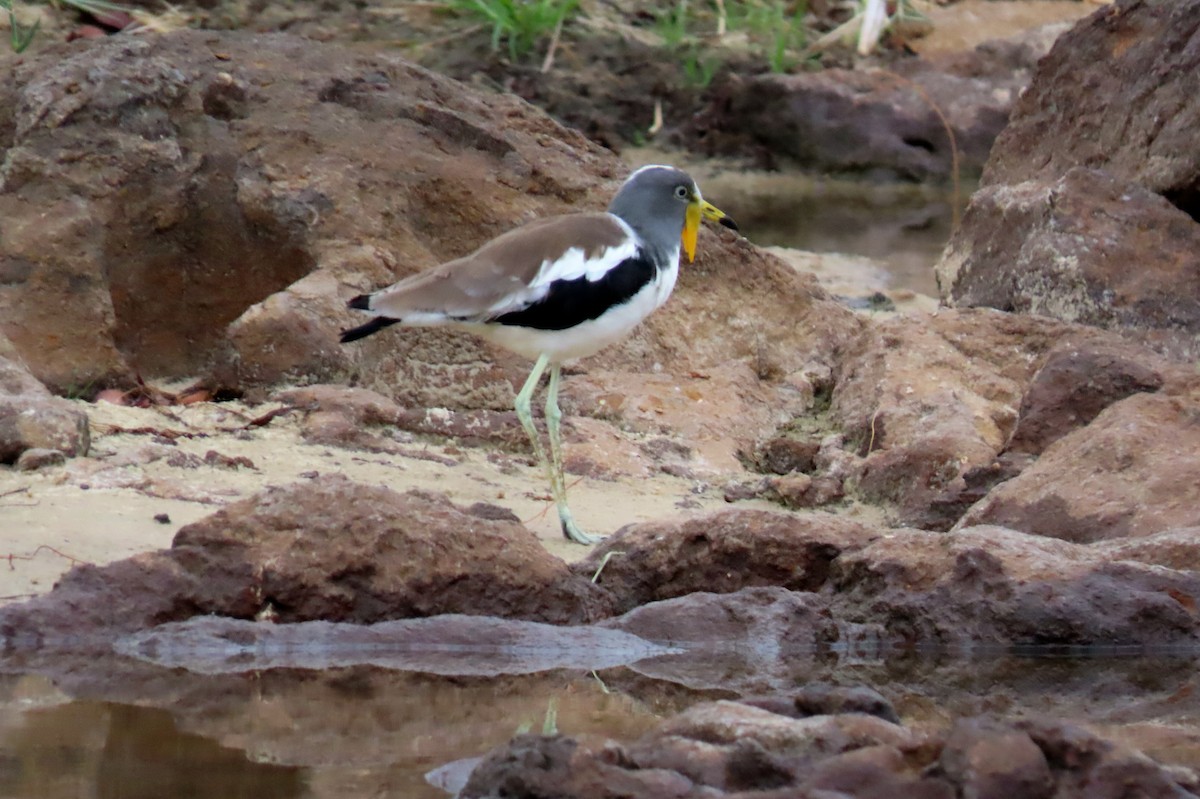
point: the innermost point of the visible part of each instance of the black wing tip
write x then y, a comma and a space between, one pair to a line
726, 221
360, 303
362, 331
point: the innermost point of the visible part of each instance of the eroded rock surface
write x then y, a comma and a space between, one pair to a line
1062, 247
733, 749
1132, 472
328, 549
1097, 171
851, 585
1075, 383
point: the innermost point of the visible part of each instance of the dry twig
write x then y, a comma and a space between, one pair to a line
11, 556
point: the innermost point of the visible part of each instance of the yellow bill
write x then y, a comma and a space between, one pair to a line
696, 210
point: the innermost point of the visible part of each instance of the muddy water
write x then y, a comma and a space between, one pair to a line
124, 728
903, 227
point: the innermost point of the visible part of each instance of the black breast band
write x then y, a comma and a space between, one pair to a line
572, 302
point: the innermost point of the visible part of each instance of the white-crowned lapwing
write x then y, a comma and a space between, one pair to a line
557, 289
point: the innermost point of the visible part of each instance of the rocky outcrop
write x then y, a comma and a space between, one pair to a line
332, 550
731, 749
1088, 206
1063, 247
923, 401
721, 553
854, 584
225, 187
329, 550
220, 227
929, 413
1075, 383
1132, 472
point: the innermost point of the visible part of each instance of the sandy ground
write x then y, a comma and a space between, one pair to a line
134, 491
969, 23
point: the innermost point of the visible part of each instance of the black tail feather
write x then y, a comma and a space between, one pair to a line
360, 303
362, 331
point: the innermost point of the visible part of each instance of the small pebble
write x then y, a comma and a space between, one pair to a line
162, 518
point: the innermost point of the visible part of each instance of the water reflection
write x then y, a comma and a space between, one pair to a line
125, 728
127, 752
901, 225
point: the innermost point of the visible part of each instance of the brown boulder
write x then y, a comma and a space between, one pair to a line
1076, 382
1114, 92
993, 760
212, 196
721, 553
37, 458
878, 588
1064, 248
397, 556
31, 419
990, 584
325, 549
1096, 171
925, 399
1132, 472
15, 377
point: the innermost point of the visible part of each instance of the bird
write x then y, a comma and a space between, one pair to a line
558, 289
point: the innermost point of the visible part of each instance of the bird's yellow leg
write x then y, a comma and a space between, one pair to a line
558, 481
525, 416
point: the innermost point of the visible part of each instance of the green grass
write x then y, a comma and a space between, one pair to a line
521, 24
774, 30
699, 67
21, 36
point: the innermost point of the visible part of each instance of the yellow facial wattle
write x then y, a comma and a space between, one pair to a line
691, 229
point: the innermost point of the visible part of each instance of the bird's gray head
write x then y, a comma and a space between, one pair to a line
654, 201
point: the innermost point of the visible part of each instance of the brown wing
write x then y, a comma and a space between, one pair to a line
500, 273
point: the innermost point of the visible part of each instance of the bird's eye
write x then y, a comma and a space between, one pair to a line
681, 192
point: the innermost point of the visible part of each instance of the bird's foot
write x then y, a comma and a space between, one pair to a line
572, 532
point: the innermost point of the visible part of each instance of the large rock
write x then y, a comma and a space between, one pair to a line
36, 422
1132, 472
879, 122
1063, 247
990, 584
328, 550
226, 186
721, 553
1096, 171
1078, 381
1114, 92
924, 400
930, 411
882, 587
221, 224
